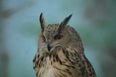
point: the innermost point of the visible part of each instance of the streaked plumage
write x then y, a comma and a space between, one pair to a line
60, 52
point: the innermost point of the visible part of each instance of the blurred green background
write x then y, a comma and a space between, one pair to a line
19, 27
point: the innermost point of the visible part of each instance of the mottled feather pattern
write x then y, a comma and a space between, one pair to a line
59, 60
64, 62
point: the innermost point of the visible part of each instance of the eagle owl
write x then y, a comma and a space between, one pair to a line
60, 52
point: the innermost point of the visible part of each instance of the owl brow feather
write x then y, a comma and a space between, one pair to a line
64, 23
42, 22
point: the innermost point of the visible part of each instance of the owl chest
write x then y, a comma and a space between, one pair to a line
47, 69
49, 72
53, 68
55, 64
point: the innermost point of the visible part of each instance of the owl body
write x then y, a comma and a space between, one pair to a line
60, 52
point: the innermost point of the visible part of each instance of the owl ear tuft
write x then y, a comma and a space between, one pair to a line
64, 23
42, 22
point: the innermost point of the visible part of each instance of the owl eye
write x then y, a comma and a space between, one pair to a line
56, 37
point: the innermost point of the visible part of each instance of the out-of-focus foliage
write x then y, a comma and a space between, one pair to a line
19, 28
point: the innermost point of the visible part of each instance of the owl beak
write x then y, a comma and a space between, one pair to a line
49, 47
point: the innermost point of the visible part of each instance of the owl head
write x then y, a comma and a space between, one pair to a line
57, 34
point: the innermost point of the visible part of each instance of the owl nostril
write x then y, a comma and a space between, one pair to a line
49, 47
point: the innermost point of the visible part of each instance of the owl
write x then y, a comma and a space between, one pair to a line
60, 52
